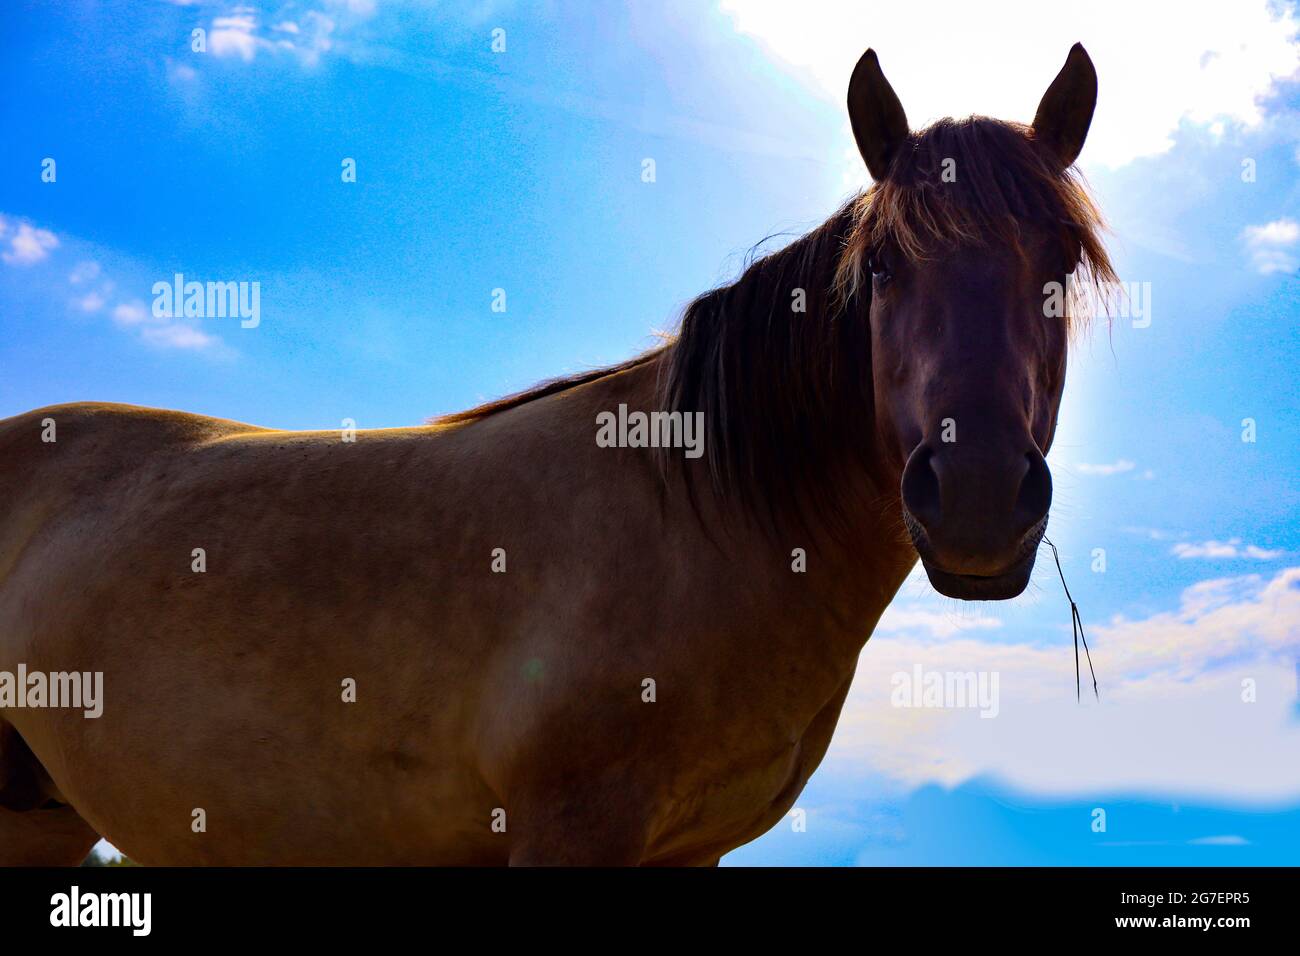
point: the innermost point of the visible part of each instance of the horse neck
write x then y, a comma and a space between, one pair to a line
851, 572
790, 418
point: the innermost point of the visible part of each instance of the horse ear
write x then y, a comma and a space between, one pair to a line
1065, 112
879, 123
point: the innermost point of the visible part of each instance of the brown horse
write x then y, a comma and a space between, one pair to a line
530, 633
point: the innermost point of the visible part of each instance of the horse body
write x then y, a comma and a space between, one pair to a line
476, 691
657, 668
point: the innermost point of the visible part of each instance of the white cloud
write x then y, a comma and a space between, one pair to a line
28, 245
90, 302
316, 38
1114, 468
1270, 245
84, 272
1159, 63
1281, 232
936, 623
181, 73
1232, 548
1155, 534
235, 35
162, 332
360, 8
178, 336
131, 313
238, 34
1172, 718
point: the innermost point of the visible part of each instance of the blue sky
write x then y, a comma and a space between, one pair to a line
522, 170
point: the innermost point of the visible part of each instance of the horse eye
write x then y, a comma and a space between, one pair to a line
879, 271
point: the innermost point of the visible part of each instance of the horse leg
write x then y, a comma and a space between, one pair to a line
51, 836
36, 827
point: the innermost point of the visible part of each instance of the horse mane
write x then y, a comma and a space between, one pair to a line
779, 360
542, 389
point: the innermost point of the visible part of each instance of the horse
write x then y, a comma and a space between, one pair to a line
493, 639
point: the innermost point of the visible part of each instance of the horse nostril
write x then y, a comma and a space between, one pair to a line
920, 488
1035, 496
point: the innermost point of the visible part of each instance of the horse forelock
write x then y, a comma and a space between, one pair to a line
979, 181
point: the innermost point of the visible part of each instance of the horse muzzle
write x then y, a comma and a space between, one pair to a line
977, 580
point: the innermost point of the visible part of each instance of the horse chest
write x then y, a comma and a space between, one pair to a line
728, 805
